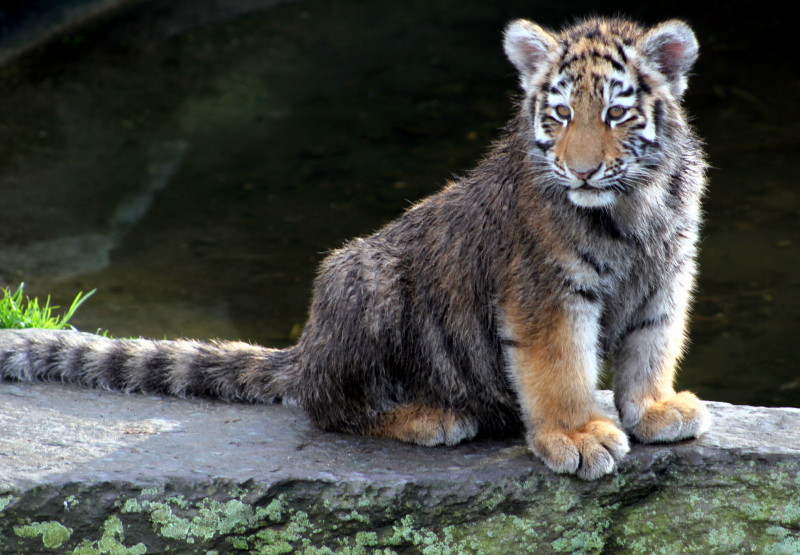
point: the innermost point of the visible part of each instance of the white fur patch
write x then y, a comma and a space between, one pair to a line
593, 198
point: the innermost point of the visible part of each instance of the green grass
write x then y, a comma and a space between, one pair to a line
18, 311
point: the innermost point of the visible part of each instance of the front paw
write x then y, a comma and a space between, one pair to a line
681, 416
590, 452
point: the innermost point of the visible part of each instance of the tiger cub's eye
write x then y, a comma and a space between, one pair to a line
616, 112
563, 111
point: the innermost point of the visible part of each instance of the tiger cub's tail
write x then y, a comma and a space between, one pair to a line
221, 369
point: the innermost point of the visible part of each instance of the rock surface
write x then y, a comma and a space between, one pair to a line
98, 472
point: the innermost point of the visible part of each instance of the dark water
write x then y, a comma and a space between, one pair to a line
195, 167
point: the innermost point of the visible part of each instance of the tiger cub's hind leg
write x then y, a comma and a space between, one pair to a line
424, 425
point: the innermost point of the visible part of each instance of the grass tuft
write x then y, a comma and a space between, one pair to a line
20, 312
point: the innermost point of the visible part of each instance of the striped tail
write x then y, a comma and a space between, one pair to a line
224, 370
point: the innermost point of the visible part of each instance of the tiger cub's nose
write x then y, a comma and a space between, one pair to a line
584, 175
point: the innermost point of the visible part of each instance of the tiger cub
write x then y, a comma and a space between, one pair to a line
489, 307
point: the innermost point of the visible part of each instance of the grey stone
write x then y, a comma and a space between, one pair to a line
86, 471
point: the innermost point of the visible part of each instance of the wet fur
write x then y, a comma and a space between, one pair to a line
488, 307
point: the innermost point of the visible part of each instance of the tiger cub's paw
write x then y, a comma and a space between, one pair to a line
425, 425
590, 452
681, 416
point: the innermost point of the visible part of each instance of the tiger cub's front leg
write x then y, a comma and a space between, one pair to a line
554, 367
644, 370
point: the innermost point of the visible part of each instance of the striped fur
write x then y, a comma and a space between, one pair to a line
490, 306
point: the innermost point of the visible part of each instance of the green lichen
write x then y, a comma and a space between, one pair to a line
741, 509
71, 502
275, 510
166, 523
356, 516
786, 541
237, 493
176, 518
177, 501
5, 501
53, 533
131, 506
111, 542
738, 511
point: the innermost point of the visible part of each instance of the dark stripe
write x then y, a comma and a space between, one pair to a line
200, 362
571, 60
588, 294
676, 187
658, 116
614, 63
598, 266
155, 378
114, 365
615, 83
627, 92
621, 52
509, 342
544, 146
50, 358
447, 343
75, 362
643, 86
539, 103
563, 81
646, 300
601, 221
647, 323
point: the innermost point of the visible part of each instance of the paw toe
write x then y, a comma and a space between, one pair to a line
557, 451
596, 461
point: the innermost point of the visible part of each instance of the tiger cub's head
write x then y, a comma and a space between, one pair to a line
601, 98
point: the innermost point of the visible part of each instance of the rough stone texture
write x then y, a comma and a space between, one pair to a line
99, 472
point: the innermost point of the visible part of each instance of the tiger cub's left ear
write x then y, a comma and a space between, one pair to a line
672, 47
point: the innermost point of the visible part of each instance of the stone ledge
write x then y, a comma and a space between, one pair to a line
98, 472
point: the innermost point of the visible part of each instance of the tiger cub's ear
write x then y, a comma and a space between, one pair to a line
527, 46
672, 47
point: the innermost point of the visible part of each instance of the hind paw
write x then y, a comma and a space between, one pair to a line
423, 425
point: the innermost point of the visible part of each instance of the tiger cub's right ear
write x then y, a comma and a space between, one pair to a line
527, 46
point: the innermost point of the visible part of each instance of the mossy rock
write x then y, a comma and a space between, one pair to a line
97, 472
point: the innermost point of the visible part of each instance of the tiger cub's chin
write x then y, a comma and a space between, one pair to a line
586, 197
